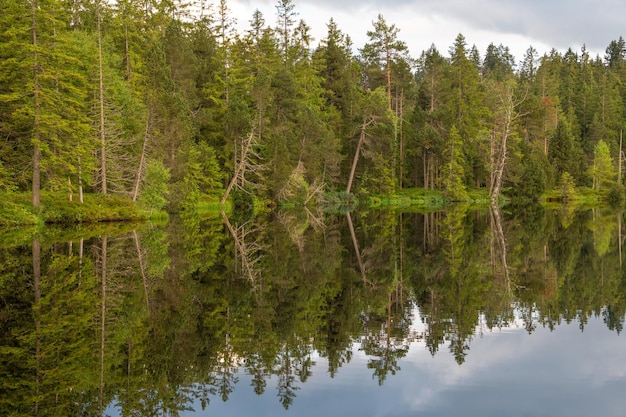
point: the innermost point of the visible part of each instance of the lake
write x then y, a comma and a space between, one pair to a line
492, 312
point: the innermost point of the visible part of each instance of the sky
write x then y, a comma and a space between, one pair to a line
518, 24
507, 372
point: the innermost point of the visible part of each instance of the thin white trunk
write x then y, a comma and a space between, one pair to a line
509, 116
36, 185
240, 168
355, 160
142, 269
103, 277
80, 183
142, 159
103, 164
619, 163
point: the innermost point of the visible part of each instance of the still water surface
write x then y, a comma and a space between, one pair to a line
461, 313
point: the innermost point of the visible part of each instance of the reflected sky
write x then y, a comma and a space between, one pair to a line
507, 373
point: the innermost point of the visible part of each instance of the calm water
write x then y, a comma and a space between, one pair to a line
461, 313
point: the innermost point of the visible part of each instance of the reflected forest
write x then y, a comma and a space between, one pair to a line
152, 319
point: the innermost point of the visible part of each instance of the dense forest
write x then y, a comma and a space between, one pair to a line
151, 98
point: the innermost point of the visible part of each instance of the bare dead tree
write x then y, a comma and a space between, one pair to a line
250, 252
248, 163
315, 191
116, 159
294, 183
507, 105
499, 261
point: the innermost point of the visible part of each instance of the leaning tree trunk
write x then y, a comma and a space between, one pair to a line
357, 152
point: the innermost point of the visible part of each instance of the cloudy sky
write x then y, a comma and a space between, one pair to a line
565, 372
518, 24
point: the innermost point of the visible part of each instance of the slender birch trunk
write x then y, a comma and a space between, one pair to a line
36, 185
103, 163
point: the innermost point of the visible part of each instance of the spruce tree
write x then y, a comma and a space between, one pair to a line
453, 173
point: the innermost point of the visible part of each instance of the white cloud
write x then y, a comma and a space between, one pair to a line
517, 24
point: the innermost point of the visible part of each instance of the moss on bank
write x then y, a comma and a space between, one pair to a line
426, 200
17, 210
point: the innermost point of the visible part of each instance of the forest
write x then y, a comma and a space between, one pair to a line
164, 102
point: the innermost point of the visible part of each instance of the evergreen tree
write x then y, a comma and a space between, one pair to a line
286, 14
602, 172
453, 174
466, 106
615, 53
431, 116
338, 73
382, 50
563, 154
498, 63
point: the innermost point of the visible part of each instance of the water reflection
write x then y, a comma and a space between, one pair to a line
146, 320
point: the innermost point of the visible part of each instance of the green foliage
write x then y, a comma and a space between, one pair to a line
338, 202
533, 181
7, 183
453, 172
567, 187
243, 204
602, 171
57, 208
154, 192
616, 196
15, 214
201, 176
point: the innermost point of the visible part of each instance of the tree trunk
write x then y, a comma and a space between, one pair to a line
388, 74
508, 104
142, 269
357, 251
142, 159
36, 251
355, 160
240, 167
103, 163
103, 276
619, 162
401, 120
80, 183
36, 185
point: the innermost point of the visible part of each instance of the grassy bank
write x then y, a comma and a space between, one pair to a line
426, 200
17, 210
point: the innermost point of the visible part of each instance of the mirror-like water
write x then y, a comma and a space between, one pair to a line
372, 313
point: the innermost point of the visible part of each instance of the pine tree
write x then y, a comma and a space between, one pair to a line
382, 50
